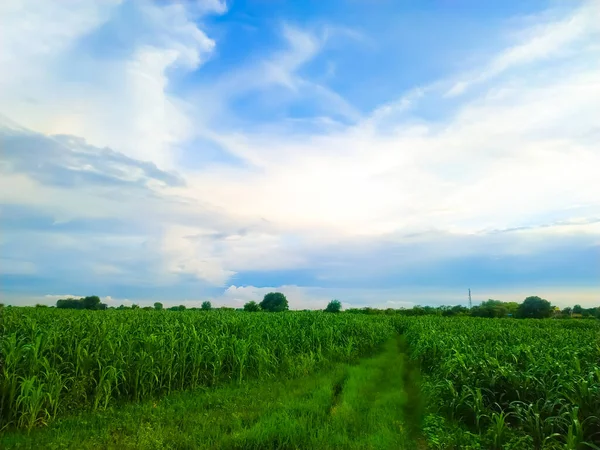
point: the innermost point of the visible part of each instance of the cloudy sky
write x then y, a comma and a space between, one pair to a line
385, 153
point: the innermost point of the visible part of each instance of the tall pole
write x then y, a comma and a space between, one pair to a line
470, 303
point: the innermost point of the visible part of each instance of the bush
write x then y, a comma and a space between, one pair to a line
334, 306
274, 302
252, 306
158, 306
534, 308
206, 306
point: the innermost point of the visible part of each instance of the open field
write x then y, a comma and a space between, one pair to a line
226, 379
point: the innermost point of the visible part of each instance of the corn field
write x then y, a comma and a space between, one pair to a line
510, 383
536, 382
56, 361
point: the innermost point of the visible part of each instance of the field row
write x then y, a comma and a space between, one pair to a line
526, 384
57, 361
486, 383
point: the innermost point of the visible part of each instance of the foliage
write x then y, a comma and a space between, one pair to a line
91, 302
274, 302
206, 306
530, 382
348, 406
334, 306
252, 306
494, 308
158, 306
535, 308
57, 360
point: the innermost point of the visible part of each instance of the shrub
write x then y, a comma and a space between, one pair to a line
252, 306
274, 302
334, 306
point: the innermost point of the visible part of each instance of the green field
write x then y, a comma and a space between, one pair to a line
228, 379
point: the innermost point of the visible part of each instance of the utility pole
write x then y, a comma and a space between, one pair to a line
470, 303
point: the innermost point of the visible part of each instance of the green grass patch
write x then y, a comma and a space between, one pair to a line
346, 406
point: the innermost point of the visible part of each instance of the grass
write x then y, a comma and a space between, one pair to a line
501, 383
144, 379
347, 406
59, 361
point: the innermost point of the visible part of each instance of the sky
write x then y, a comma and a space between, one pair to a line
383, 153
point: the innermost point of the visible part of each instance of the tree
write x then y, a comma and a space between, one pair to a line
274, 302
70, 303
252, 306
206, 306
534, 307
490, 308
577, 309
334, 306
91, 302
181, 307
134, 306
158, 306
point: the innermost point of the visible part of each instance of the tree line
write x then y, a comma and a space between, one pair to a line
532, 307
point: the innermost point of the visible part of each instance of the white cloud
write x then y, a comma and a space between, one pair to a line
553, 39
121, 101
521, 151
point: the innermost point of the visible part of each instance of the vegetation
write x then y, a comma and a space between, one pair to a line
252, 306
334, 306
274, 302
346, 406
59, 360
206, 306
535, 308
91, 302
436, 377
526, 384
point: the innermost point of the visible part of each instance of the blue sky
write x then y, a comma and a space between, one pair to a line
383, 153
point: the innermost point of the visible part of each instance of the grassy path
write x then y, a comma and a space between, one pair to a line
370, 405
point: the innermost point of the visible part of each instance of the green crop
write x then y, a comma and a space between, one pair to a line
538, 378
55, 361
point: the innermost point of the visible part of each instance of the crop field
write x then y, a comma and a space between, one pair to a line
509, 383
151, 379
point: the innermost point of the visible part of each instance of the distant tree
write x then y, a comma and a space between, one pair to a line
566, 312
158, 306
134, 306
91, 302
457, 310
147, 308
181, 307
1, 305
274, 302
334, 306
70, 303
39, 305
490, 308
252, 306
577, 309
534, 307
206, 306
511, 308
102, 306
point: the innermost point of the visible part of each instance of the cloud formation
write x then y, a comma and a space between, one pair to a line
136, 161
